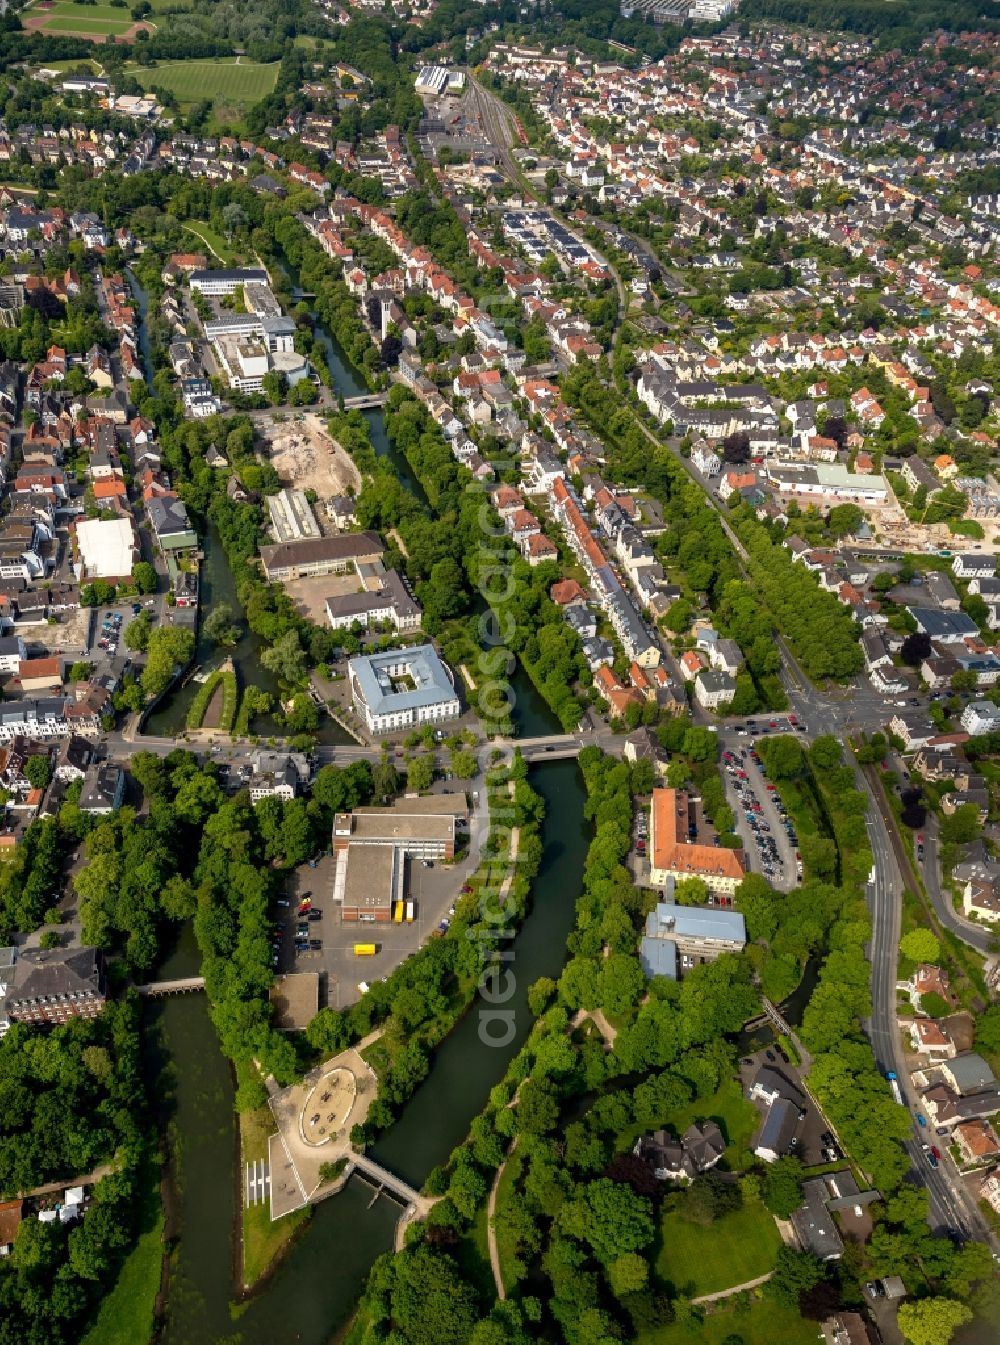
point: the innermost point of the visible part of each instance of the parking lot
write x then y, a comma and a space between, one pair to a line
433, 888
814, 1143
767, 832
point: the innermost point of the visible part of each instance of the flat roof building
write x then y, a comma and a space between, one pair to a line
695, 933
292, 516
402, 688
227, 280
372, 846
320, 555
107, 548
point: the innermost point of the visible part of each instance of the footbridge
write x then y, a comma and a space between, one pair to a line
366, 402
388, 1181
182, 985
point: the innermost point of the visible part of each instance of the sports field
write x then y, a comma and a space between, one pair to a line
225, 82
66, 17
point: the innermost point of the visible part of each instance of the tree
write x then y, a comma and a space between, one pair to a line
962, 826
628, 1274
80, 671
794, 1274
932, 1321
920, 945
137, 633
220, 626
420, 773
915, 649
782, 1187
736, 447
38, 770
286, 659
845, 519
783, 757
710, 1197
914, 814
170, 647
144, 577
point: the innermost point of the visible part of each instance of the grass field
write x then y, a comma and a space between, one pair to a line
126, 1315
702, 1260
765, 1323
215, 245
225, 82
65, 16
262, 1239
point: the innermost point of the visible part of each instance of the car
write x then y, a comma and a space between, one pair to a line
444, 925
315, 915
136, 608
793, 1143
770, 1055
936, 1152
363, 987
282, 901
933, 1159
316, 945
875, 1289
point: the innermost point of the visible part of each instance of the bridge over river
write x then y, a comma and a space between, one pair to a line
182, 985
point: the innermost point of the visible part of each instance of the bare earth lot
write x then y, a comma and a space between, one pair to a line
310, 595
304, 455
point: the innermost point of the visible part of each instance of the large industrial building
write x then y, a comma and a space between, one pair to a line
107, 548
403, 688
373, 846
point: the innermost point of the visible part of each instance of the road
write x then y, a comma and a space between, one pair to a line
949, 1204
974, 935
550, 747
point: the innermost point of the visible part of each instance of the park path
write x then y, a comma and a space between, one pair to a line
596, 1016
50, 1188
736, 1289
491, 1237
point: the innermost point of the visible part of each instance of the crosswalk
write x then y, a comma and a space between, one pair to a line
258, 1187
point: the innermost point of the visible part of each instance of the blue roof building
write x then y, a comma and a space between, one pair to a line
402, 688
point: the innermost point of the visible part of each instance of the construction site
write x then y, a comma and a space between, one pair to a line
306, 457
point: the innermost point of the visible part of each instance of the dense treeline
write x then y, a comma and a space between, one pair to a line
72, 1098
890, 25
821, 631
334, 304
577, 1218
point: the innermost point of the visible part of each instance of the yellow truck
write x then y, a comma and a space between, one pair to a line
365, 949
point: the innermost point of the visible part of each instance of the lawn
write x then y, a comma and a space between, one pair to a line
223, 81
698, 1260
216, 245
263, 1240
764, 1323
126, 1315
65, 16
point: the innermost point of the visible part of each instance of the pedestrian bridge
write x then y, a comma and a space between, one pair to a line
367, 402
388, 1181
182, 985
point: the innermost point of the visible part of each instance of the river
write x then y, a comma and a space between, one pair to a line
316, 1286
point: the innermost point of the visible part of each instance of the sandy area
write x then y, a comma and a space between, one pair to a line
68, 636
305, 456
